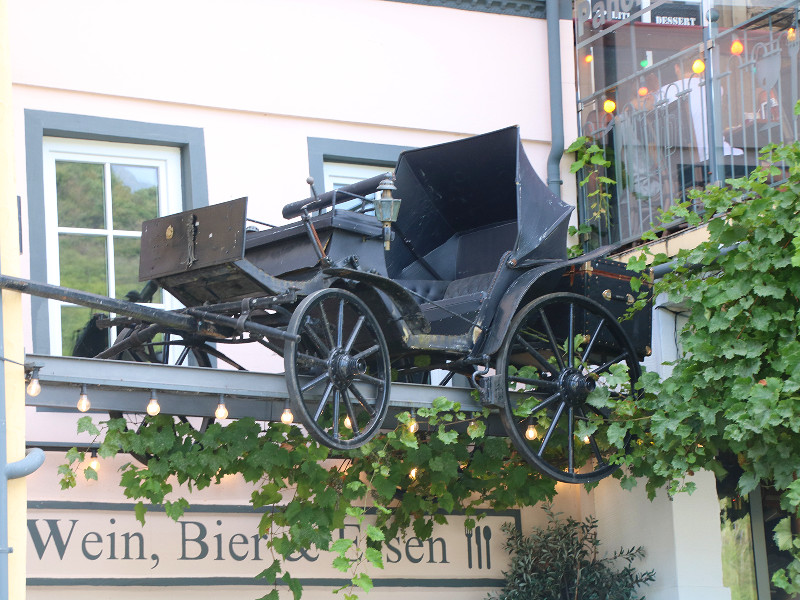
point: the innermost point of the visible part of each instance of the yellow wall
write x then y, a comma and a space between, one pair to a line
12, 320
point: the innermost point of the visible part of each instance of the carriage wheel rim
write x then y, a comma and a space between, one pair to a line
343, 369
566, 392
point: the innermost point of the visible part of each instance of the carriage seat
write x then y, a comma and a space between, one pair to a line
428, 289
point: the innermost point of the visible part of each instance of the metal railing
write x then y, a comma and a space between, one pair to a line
695, 118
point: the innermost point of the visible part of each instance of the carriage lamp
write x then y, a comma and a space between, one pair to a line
222, 410
153, 407
387, 209
83, 400
34, 388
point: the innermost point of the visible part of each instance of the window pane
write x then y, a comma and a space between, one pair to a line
80, 192
73, 320
134, 196
82, 262
126, 268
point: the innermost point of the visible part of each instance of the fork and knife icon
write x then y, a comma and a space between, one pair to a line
481, 535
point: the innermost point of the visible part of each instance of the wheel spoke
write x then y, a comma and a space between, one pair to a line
545, 364
336, 400
368, 352
326, 324
592, 341
370, 379
539, 383
605, 367
350, 412
312, 359
552, 428
571, 338
340, 324
314, 382
182, 357
571, 439
165, 350
363, 401
315, 339
354, 334
221, 356
324, 401
552, 339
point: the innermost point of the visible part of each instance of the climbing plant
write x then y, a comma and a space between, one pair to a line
735, 392
400, 479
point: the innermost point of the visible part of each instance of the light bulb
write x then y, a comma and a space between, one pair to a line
413, 473
348, 423
791, 34
530, 432
34, 387
153, 407
698, 66
94, 463
609, 105
642, 91
588, 58
222, 410
413, 426
737, 47
586, 439
83, 400
287, 417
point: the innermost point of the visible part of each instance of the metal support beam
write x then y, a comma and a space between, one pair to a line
193, 391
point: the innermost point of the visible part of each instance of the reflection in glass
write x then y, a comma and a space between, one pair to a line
73, 320
82, 262
134, 193
80, 192
738, 565
126, 267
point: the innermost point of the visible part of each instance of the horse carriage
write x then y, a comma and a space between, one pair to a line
454, 265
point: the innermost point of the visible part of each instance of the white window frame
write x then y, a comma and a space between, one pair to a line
166, 159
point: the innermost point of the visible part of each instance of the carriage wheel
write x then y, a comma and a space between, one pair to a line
338, 374
184, 351
564, 364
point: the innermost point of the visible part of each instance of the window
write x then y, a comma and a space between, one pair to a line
97, 194
338, 175
90, 183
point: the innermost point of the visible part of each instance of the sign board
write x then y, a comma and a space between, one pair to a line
102, 544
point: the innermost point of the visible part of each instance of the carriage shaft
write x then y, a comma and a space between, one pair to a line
165, 318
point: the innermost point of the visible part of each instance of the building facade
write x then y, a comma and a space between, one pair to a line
126, 111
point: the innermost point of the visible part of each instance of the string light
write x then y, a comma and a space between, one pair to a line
791, 34
698, 66
153, 407
94, 462
348, 423
609, 106
287, 418
588, 58
413, 426
34, 387
413, 473
737, 47
586, 439
222, 410
531, 433
642, 91
83, 400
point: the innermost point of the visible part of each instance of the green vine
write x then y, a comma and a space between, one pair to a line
309, 493
592, 160
734, 396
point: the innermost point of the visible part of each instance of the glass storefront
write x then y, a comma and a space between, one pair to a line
680, 95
